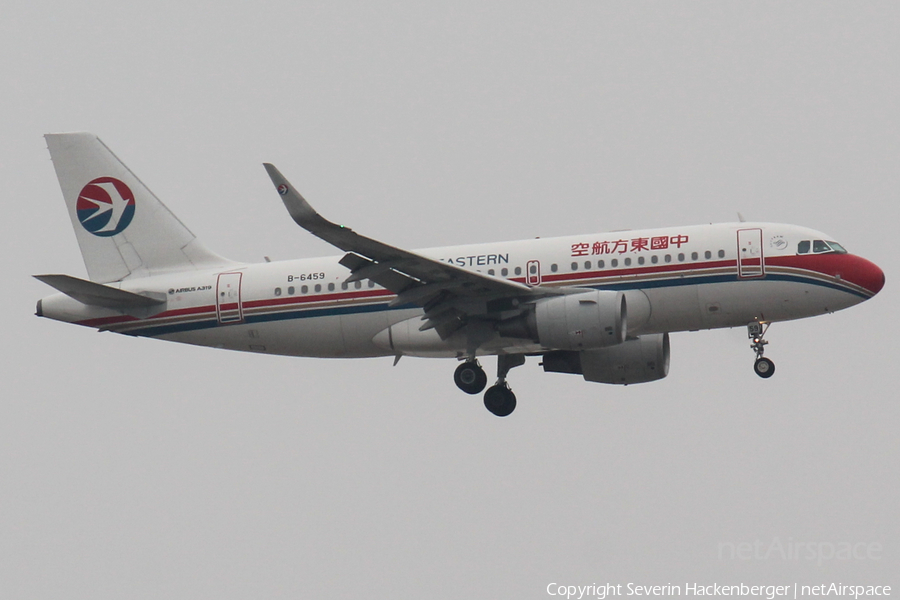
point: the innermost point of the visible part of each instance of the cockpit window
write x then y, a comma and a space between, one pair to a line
820, 246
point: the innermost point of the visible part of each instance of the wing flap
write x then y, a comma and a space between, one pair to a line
381, 273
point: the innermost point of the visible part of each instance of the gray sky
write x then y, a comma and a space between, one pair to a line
141, 469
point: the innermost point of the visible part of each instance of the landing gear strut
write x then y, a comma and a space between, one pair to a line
470, 377
756, 331
499, 399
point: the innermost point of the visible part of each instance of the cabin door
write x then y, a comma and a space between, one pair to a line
228, 298
751, 262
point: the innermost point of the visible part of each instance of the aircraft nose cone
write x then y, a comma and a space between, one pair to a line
868, 275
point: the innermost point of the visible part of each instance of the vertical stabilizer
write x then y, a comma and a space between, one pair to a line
123, 230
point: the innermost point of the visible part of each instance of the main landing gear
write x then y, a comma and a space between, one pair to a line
470, 377
498, 399
756, 331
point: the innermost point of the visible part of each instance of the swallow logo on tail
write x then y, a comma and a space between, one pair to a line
105, 206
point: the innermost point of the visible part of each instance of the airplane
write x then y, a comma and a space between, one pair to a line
598, 305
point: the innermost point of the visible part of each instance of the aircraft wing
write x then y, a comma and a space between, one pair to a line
445, 291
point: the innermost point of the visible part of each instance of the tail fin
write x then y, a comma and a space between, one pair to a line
123, 230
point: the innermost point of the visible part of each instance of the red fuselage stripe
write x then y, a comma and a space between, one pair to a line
843, 266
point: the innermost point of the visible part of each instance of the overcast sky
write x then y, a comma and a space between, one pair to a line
133, 468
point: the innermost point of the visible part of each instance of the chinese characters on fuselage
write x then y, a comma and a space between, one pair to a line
621, 246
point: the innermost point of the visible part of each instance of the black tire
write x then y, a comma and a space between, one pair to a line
470, 378
764, 367
500, 400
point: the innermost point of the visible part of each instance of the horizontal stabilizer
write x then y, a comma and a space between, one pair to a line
96, 294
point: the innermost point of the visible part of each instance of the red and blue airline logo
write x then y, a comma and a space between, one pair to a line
105, 206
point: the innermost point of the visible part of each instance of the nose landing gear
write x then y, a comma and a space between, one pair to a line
764, 367
756, 331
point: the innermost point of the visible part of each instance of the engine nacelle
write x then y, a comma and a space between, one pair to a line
594, 319
591, 319
640, 360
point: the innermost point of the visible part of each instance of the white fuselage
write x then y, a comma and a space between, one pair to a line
674, 279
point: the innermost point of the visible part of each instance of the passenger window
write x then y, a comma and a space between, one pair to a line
291, 290
668, 258
721, 254
304, 289
318, 288
574, 266
504, 271
330, 287
554, 267
707, 255
491, 272
820, 246
803, 247
587, 264
654, 259
277, 291
694, 256
681, 257
640, 260
627, 262
614, 262
371, 284
344, 286
357, 284
600, 264
518, 270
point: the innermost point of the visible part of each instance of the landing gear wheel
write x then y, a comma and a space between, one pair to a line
470, 377
764, 367
500, 400
756, 331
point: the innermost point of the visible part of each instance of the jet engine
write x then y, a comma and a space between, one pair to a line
594, 319
637, 360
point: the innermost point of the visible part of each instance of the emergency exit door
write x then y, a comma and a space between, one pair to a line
533, 273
